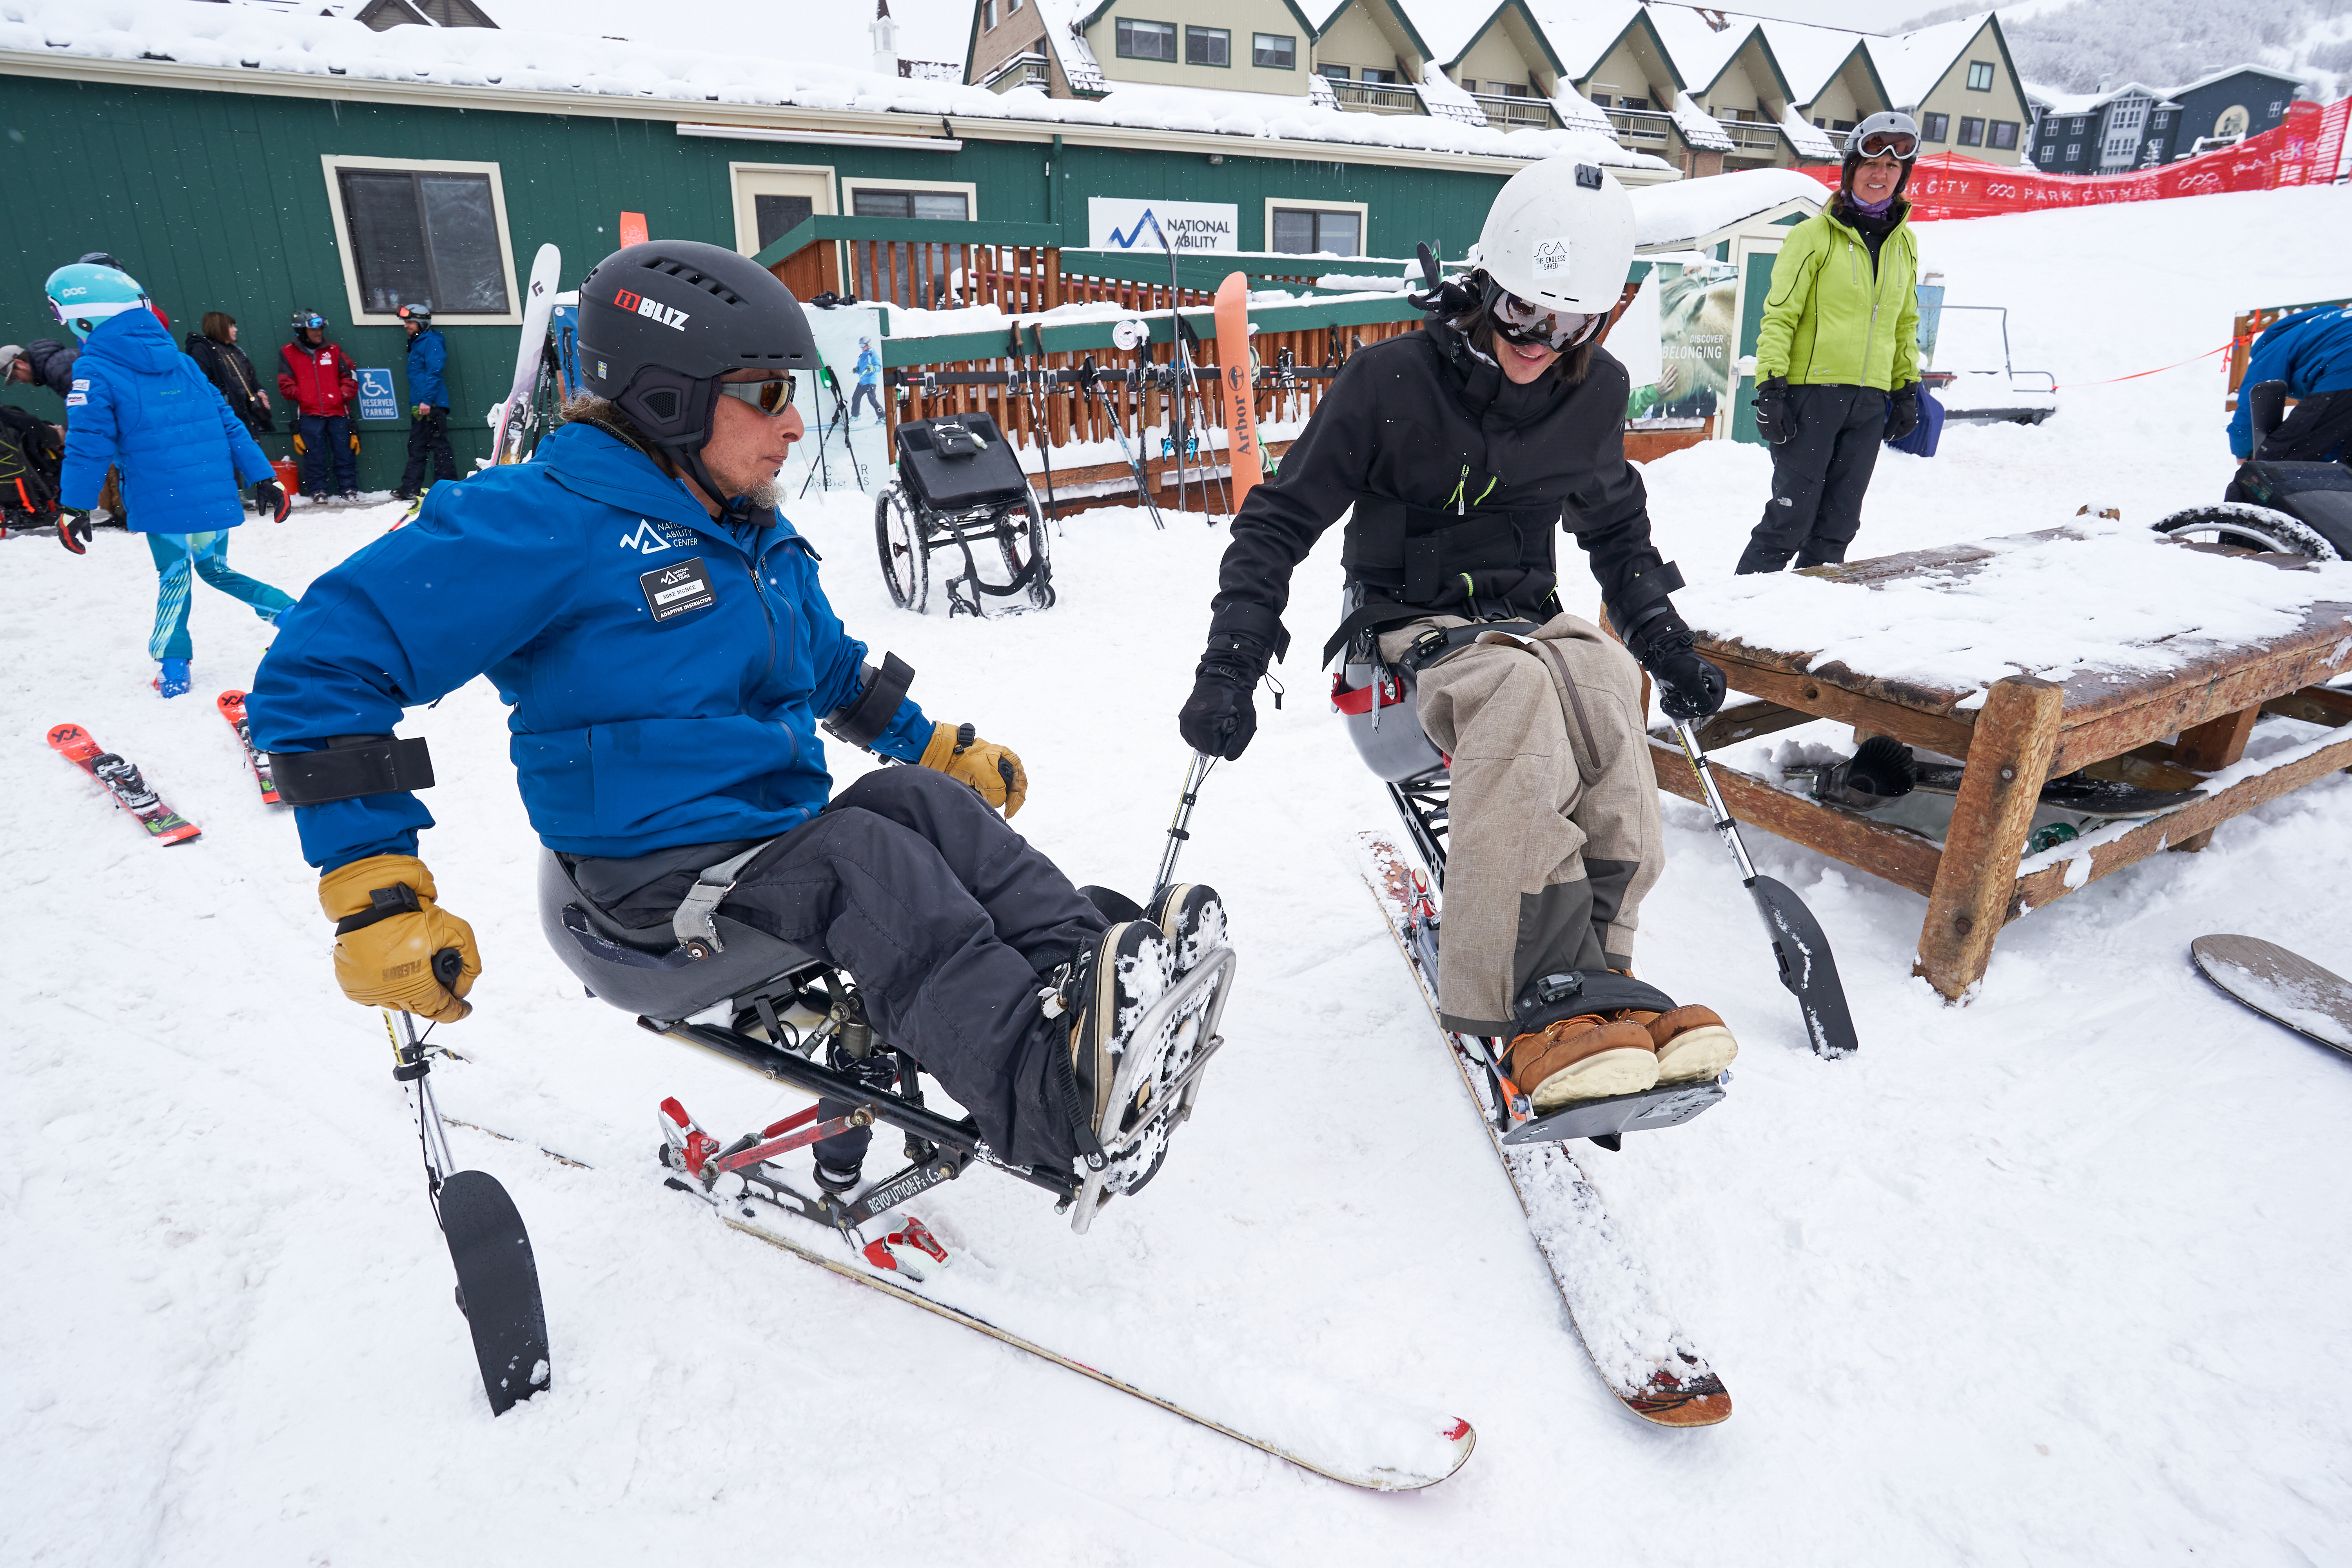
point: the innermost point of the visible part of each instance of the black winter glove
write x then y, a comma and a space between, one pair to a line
269, 496
1773, 420
1688, 687
73, 528
1219, 718
1903, 412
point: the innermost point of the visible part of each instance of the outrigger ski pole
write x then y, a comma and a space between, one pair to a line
1196, 773
498, 1279
1807, 968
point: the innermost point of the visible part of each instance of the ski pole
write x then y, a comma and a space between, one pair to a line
1176, 352
1724, 827
1196, 773
412, 1064
1092, 378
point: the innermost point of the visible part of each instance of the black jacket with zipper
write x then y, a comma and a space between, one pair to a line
1423, 424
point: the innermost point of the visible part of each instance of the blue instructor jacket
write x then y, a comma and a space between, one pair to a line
665, 674
2311, 351
428, 356
138, 403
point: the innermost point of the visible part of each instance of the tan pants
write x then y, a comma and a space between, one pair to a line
1554, 835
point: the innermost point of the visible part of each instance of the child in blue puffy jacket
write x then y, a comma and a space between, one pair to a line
139, 404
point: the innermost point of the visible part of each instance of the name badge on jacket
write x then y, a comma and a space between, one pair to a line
674, 590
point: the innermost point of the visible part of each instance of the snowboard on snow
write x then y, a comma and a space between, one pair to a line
232, 707
2284, 987
1647, 1361
124, 782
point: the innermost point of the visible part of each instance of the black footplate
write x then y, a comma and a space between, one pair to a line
1668, 1105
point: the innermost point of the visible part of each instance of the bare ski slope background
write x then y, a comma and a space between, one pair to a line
2054, 1278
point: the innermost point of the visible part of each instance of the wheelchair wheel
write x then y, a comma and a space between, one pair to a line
2248, 527
899, 539
1022, 538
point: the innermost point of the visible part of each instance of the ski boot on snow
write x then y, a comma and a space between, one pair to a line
171, 679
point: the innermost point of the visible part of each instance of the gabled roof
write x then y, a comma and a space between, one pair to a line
1583, 33
1394, 8
1813, 58
1089, 19
1453, 29
2209, 78
1911, 64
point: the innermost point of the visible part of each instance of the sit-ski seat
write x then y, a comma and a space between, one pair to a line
644, 969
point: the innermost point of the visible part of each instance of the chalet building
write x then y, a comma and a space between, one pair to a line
2136, 126
1705, 89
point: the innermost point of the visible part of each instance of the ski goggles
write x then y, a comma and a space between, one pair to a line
770, 397
1518, 321
1879, 144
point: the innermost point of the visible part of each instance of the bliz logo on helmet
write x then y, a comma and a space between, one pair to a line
652, 309
1551, 257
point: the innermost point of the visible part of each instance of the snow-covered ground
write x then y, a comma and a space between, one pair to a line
2054, 1278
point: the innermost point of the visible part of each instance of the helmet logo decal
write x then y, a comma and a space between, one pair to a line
652, 309
1551, 257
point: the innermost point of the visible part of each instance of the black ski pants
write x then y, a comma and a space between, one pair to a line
428, 437
949, 921
1819, 476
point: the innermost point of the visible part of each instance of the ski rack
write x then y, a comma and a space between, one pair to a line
938, 1148
1422, 805
1162, 377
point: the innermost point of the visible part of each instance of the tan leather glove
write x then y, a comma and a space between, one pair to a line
994, 770
389, 934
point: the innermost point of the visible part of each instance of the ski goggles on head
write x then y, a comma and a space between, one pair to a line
1879, 144
770, 397
1518, 321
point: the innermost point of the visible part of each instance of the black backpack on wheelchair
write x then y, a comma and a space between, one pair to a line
960, 486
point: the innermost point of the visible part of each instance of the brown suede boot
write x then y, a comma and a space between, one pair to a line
1692, 1043
1584, 1058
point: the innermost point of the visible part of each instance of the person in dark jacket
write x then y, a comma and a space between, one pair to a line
1463, 449
225, 366
428, 403
44, 361
668, 652
318, 378
140, 403
2311, 351
1837, 354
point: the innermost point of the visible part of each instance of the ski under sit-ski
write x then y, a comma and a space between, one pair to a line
1648, 1362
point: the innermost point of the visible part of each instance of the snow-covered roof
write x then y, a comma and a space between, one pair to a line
758, 70
1911, 64
1700, 48
1677, 215
1810, 57
1699, 128
1581, 32
2209, 78
2085, 102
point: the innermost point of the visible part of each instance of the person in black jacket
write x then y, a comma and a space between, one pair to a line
44, 361
225, 366
1462, 447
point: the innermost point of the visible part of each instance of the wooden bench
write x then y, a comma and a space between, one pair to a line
2108, 723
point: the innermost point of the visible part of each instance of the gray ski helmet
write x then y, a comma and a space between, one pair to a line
661, 322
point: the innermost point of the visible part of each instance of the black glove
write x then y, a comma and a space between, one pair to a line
1902, 412
1688, 687
73, 528
1773, 420
1219, 718
270, 497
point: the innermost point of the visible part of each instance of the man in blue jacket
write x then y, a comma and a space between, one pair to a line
428, 403
2311, 351
662, 639
138, 403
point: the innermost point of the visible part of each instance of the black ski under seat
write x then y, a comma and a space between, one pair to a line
644, 969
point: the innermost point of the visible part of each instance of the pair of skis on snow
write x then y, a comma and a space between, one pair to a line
123, 781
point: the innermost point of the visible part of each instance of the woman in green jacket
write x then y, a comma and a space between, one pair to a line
1837, 361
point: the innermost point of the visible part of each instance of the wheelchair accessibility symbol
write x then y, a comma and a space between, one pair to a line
377, 399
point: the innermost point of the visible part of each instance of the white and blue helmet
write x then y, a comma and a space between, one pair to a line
84, 294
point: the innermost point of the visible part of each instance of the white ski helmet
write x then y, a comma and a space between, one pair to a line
1560, 234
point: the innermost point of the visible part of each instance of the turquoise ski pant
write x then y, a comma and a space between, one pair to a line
179, 560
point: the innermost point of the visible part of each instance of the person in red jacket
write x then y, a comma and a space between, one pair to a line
317, 377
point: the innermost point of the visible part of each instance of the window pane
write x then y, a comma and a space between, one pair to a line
387, 239
1336, 73
1335, 232
1971, 132
1980, 75
1208, 47
2004, 133
461, 228
1373, 73
947, 205
1932, 129
778, 215
1274, 51
882, 204
1147, 41
1640, 105
1293, 231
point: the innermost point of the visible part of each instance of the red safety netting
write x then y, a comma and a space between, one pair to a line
2302, 150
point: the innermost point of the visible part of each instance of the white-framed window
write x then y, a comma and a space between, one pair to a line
1980, 75
987, 15
1310, 227
2073, 151
1208, 47
422, 230
770, 200
1146, 40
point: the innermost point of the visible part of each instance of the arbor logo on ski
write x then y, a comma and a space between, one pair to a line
651, 309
